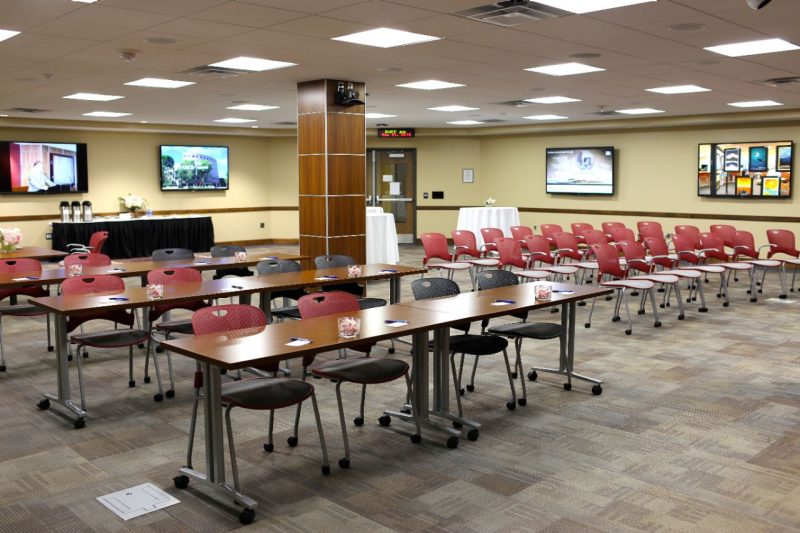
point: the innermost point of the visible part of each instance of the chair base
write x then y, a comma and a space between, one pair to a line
597, 389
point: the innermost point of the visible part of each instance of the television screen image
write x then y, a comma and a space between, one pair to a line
580, 170
194, 168
745, 169
42, 168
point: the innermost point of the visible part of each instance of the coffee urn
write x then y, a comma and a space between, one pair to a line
63, 207
87, 210
76, 211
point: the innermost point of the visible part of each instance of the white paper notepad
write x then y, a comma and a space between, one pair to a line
137, 501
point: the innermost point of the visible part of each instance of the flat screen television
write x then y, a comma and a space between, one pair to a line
588, 170
194, 168
42, 168
745, 170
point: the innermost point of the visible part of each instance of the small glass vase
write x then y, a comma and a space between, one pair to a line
7, 247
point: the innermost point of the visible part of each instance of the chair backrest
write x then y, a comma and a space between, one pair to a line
219, 318
659, 251
169, 276
327, 303
92, 284
269, 266
567, 245
579, 227
713, 245
333, 261
13, 266
89, 259
594, 236
520, 232
490, 236
609, 226
490, 279
435, 246
226, 250
510, 252
97, 240
726, 231
172, 254
433, 288
744, 244
649, 229
465, 243
548, 230
691, 232
622, 234
635, 255
685, 247
608, 260
539, 249
781, 242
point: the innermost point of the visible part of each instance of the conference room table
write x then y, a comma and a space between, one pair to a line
33, 252
256, 346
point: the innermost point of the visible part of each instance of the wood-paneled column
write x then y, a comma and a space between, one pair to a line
331, 151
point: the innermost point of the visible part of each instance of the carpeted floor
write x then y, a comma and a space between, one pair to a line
698, 429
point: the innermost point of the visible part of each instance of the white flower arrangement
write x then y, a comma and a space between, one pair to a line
9, 239
133, 202
489, 202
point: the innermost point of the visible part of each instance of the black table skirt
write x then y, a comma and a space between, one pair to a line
140, 236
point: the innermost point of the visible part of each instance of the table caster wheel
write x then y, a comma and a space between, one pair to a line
147, 379
657, 324
247, 516
681, 317
640, 312
344, 462
326, 470
268, 447
79, 423
781, 296
628, 331
292, 441
416, 438
522, 402
532, 375
473, 434
132, 383
43, 405
615, 319
181, 482
725, 304
385, 420
471, 388
597, 390
511, 405
567, 386
703, 310
587, 325
753, 300
358, 421
457, 425
170, 393
158, 397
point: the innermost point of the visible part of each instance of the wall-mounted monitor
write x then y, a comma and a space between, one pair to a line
194, 168
42, 168
745, 170
580, 170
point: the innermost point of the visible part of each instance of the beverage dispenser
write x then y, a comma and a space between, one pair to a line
76, 211
87, 210
63, 207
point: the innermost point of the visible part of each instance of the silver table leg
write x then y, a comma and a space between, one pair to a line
63, 398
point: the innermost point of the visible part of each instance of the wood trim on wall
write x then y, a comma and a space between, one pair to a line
645, 214
222, 210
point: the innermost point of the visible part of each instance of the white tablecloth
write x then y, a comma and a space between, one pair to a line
382, 239
475, 218
374, 210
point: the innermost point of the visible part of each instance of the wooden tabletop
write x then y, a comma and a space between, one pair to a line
333, 276
33, 252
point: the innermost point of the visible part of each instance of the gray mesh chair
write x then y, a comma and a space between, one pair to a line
518, 331
229, 250
476, 345
336, 261
269, 266
172, 254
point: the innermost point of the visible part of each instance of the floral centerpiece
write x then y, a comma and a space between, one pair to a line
9, 239
132, 203
489, 202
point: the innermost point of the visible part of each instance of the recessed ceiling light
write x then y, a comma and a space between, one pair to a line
3, 115
552, 100
386, 38
378, 115
254, 127
253, 107
234, 120
106, 114
565, 69
85, 1
678, 89
453, 108
466, 122
430, 85
160, 40
686, 26
755, 103
93, 97
143, 122
160, 83
588, 6
545, 117
751, 48
254, 64
639, 111
7, 34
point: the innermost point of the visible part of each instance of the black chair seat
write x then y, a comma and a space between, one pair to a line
113, 338
241, 272
531, 330
183, 327
265, 393
370, 303
287, 312
364, 370
22, 310
477, 344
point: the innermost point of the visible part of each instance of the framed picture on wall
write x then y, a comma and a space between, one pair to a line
758, 159
732, 159
467, 175
784, 156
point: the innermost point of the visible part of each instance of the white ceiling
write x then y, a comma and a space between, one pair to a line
67, 47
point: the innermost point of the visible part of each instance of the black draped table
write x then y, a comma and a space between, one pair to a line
138, 237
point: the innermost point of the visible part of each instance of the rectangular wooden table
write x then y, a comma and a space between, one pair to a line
33, 252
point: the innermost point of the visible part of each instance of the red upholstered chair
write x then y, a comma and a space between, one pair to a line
261, 393
87, 260
781, 241
548, 230
649, 229
114, 338
466, 251
435, 246
567, 247
698, 259
490, 236
619, 235
590, 237
726, 231
520, 232
639, 266
578, 228
660, 255
609, 226
95, 246
744, 249
511, 256
362, 370
690, 232
29, 268
542, 259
